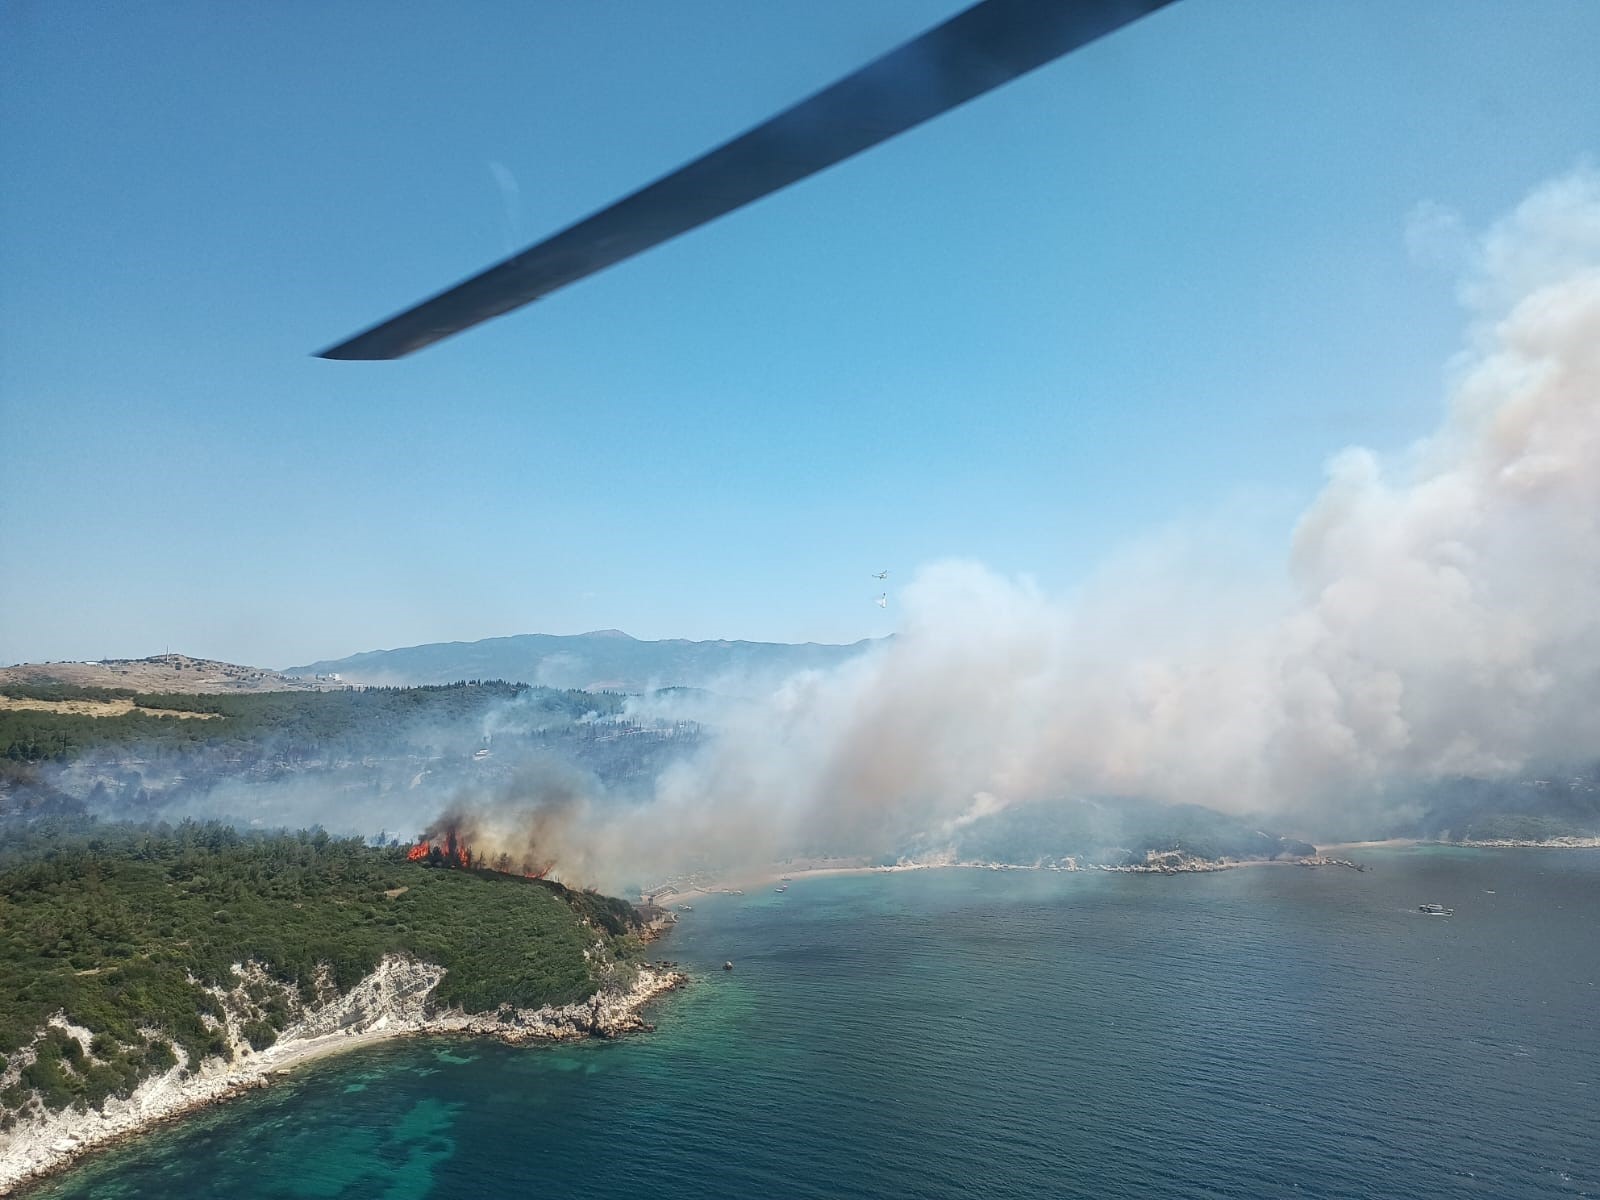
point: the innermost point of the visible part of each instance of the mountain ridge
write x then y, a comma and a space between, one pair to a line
157, 673
603, 659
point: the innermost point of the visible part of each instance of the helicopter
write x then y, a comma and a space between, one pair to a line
975, 51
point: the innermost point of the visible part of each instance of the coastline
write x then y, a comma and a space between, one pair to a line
776, 875
1556, 843
1380, 844
394, 1002
391, 1003
1329, 854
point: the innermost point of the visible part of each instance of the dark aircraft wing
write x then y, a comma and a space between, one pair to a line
981, 48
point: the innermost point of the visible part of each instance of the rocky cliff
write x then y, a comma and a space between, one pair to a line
395, 1000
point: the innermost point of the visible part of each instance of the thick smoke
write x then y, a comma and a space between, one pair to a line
1435, 616
524, 824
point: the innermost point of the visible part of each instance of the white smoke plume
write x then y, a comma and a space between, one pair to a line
1436, 615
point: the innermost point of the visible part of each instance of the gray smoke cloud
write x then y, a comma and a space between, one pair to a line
1437, 614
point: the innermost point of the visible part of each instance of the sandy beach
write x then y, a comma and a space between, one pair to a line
1355, 847
773, 877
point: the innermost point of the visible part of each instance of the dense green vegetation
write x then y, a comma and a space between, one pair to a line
66, 691
1558, 803
1521, 827
364, 750
302, 723
125, 928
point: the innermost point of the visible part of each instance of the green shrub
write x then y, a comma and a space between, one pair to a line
297, 901
259, 1034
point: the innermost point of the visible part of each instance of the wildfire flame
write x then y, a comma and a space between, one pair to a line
445, 845
450, 852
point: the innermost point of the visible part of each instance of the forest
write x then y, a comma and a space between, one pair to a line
127, 929
363, 750
355, 720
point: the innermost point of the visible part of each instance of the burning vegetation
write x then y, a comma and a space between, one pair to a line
518, 841
447, 844
449, 854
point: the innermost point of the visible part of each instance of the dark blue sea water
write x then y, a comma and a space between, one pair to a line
1264, 1032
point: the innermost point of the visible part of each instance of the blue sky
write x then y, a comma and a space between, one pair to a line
1162, 279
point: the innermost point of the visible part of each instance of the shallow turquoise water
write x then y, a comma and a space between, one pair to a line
1256, 1033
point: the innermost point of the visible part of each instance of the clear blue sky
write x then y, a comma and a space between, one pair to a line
1163, 276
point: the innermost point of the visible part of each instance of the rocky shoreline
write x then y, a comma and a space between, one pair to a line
1168, 862
395, 1001
1171, 862
1574, 842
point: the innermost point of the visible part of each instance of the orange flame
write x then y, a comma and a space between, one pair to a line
451, 853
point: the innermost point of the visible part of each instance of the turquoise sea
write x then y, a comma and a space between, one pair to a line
1265, 1032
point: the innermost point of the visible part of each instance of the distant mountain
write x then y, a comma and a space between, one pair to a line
606, 659
159, 673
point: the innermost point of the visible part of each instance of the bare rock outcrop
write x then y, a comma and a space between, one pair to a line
396, 1000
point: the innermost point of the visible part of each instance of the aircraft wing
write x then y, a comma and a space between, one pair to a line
978, 49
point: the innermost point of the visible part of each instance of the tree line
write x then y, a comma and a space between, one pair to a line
128, 929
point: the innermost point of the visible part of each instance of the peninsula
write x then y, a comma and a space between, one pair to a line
148, 971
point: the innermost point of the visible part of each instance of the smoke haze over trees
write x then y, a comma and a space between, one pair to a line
1435, 619
604, 659
1436, 616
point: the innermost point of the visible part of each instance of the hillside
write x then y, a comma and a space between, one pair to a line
354, 761
60, 722
133, 934
1114, 830
1556, 802
603, 660
159, 673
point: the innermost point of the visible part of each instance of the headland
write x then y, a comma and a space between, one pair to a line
150, 971
395, 1001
